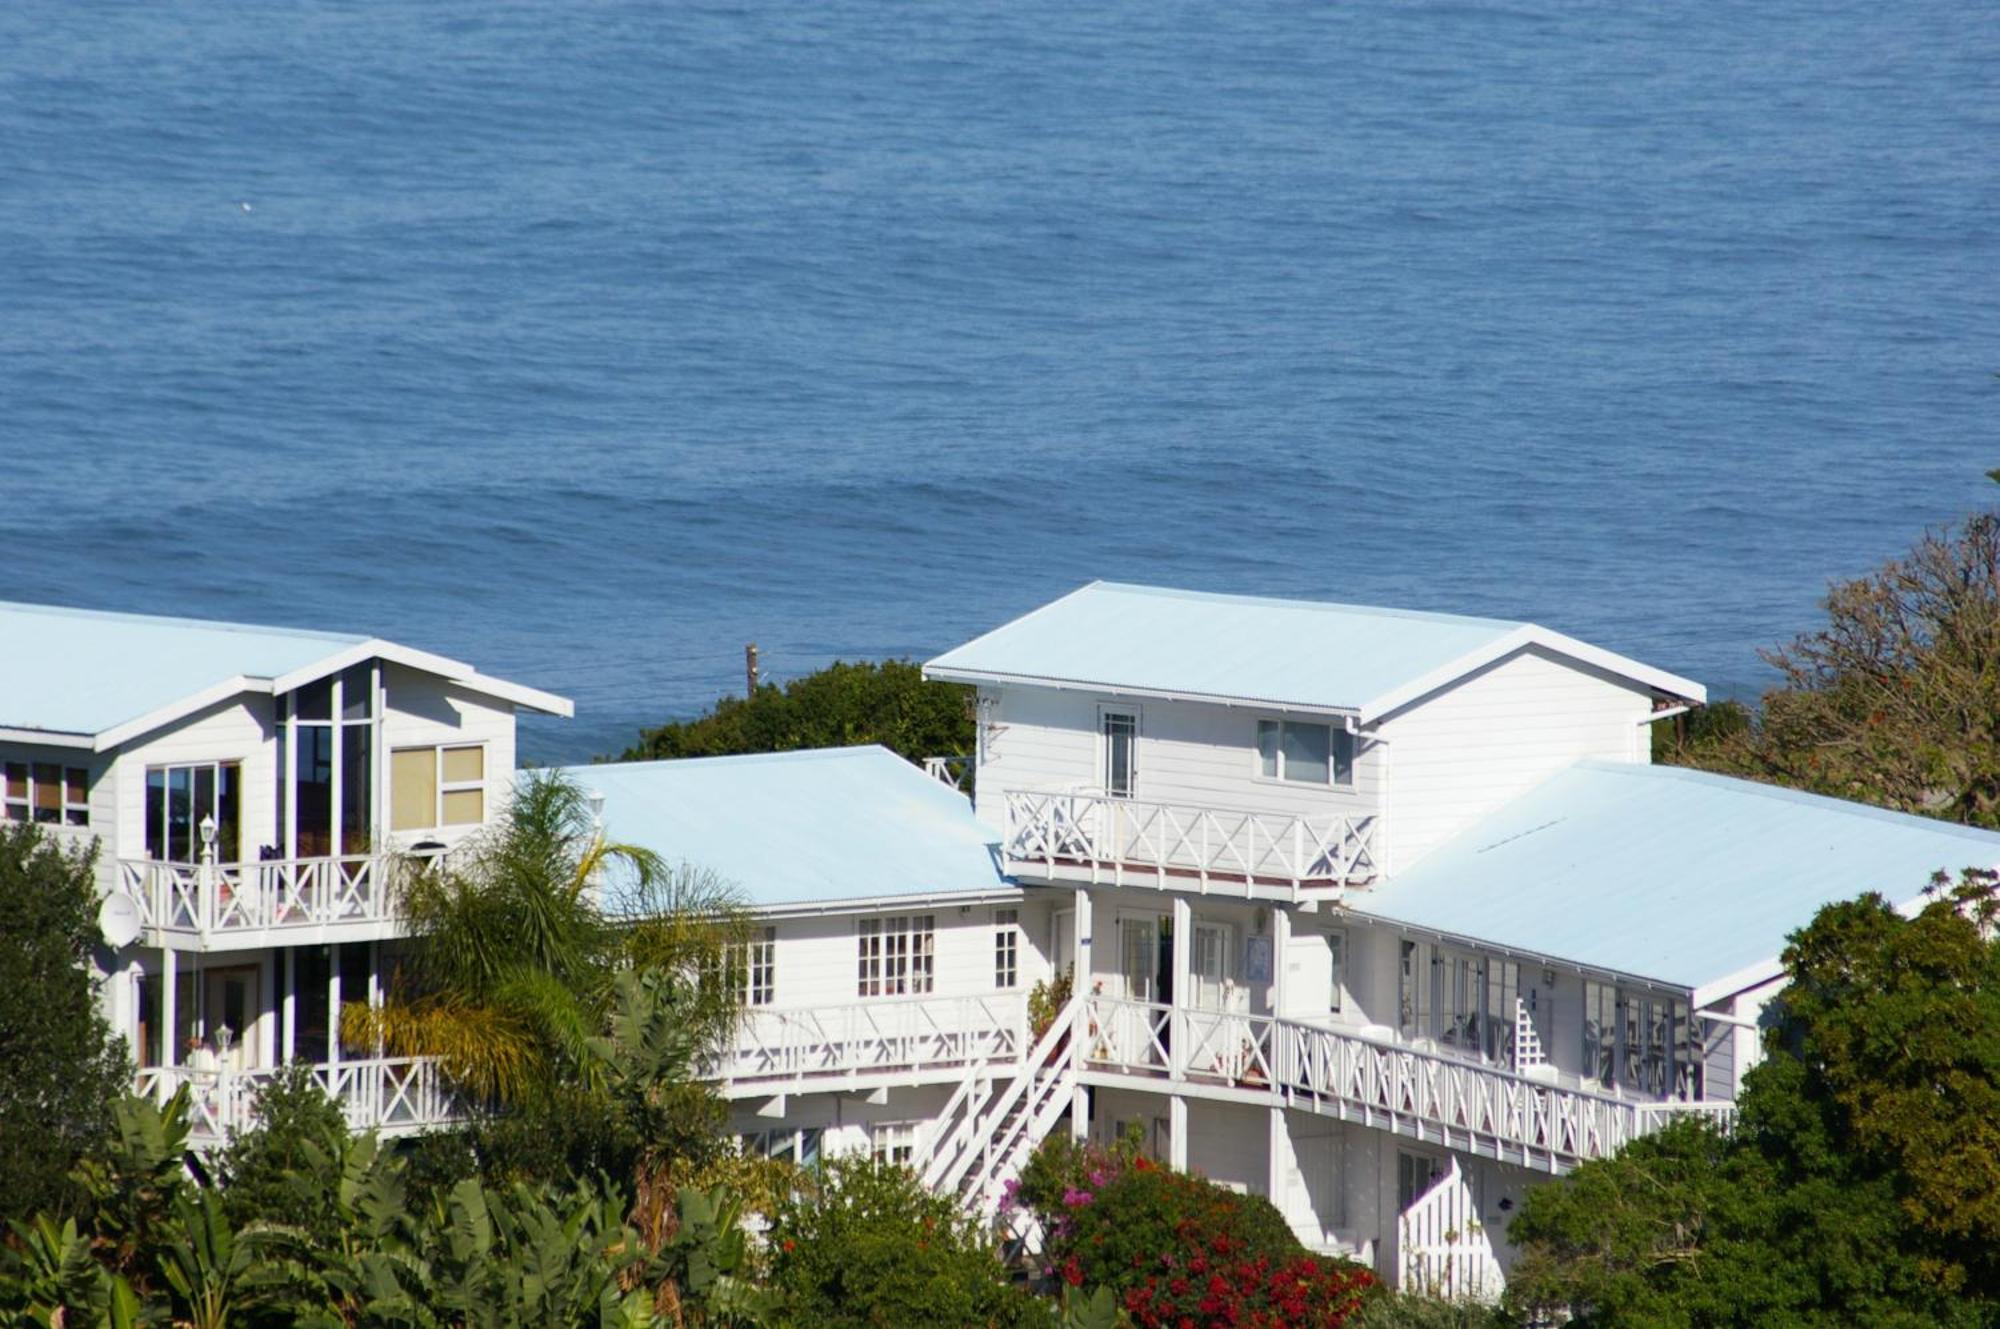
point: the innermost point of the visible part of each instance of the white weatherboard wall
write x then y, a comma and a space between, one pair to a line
1460, 753
817, 955
239, 730
1192, 754
424, 710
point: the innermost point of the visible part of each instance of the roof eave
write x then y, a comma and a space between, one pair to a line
1000, 891
52, 738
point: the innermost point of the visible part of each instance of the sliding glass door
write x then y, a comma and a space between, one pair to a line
179, 797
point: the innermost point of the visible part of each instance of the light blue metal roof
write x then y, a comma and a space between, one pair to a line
1665, 873
80, 671
794, 828
1302, 653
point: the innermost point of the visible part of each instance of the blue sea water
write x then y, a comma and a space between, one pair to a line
589, 341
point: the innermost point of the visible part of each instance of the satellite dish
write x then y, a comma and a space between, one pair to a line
118, 919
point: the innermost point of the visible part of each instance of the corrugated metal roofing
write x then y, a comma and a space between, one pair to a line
1665, 873
1200, 644
813, 827
80, 671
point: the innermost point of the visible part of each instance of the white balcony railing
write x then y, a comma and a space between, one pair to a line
903, 1035
1114, 839
1419, 1093
248, 897
392, 1095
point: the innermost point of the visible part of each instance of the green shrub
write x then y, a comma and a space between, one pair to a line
870, 1248
280, 1170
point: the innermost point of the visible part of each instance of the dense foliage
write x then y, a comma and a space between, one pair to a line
1896, 701
59, 1066
576, 983
870, 1248
844, 704
1178, 1249
1861, 1186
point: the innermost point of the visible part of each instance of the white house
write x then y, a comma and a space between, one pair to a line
249, 788
1382, 915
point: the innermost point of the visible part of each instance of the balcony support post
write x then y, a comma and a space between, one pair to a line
1079, 1039
1177, 1033
169, 1025
1177, 1133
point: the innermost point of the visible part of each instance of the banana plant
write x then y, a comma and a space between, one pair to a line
49, 1276
205, 1265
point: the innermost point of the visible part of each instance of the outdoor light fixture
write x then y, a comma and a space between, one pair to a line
207, 830
596, 800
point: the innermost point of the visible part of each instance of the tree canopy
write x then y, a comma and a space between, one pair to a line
1862, 1185
844, 704
59, 1066
1896, 701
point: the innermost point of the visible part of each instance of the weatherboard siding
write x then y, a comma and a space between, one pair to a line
424, 710
1190, 754
1460, 753
239, 730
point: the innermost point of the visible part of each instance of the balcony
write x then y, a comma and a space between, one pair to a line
1479, 1109
389, 1095
263, 903
892, 1040
1096, 839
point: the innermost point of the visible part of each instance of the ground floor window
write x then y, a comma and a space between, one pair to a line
45, 792
789, 1146
896, 956
893, 1142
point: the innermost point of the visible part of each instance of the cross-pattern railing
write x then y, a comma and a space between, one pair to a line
1113, 839
244, 897
1400, 1088
392, 1095
1442, 1248
912, 1035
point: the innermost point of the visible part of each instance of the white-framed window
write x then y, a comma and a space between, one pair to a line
45, 792
1006, 948
1120, 731
1301, 752
432, 787
896, 956
792, 1146
893, 1142
759, 970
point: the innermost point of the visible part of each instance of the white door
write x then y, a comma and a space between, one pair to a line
1211, 971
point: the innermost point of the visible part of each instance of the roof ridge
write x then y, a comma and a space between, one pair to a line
1785, 794
174, 620
1297, 602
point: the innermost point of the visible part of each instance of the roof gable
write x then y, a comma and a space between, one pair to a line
1303, 655
1663, 873
92, 678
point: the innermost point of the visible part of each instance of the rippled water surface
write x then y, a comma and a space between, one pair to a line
590, 341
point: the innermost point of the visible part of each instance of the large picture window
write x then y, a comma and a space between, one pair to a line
896, 956
1304, 753
43, 792
328, 729
179, 797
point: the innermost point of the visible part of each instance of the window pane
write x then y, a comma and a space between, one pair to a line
156, 814
1343, 757
357, 789
313, 791
315, 700
412, 789
77, 783
1307, 752
181, 843
1267, 748
357, 693
228, 811
1119, 733
464, 764
48, 793
464, 807
17, 779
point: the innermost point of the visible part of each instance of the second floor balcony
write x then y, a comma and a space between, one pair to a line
1095, 838
275, 901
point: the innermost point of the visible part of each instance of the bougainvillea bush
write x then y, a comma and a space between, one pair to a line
1179, 1250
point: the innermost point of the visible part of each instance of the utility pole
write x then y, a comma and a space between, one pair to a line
750, 670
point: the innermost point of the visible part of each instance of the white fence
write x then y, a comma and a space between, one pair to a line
248, 897
392, 1095
1483, 1109
910, 1035
1442, 1249
1110, 839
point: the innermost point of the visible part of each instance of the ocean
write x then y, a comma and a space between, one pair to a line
590, 341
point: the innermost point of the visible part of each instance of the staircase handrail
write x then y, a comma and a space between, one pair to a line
1039, 1058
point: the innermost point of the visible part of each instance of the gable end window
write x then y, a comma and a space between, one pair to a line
1304, 753
437, 786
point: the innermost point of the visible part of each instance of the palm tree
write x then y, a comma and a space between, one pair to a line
517, 944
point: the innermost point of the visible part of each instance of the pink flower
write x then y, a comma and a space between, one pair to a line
1076, 1199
